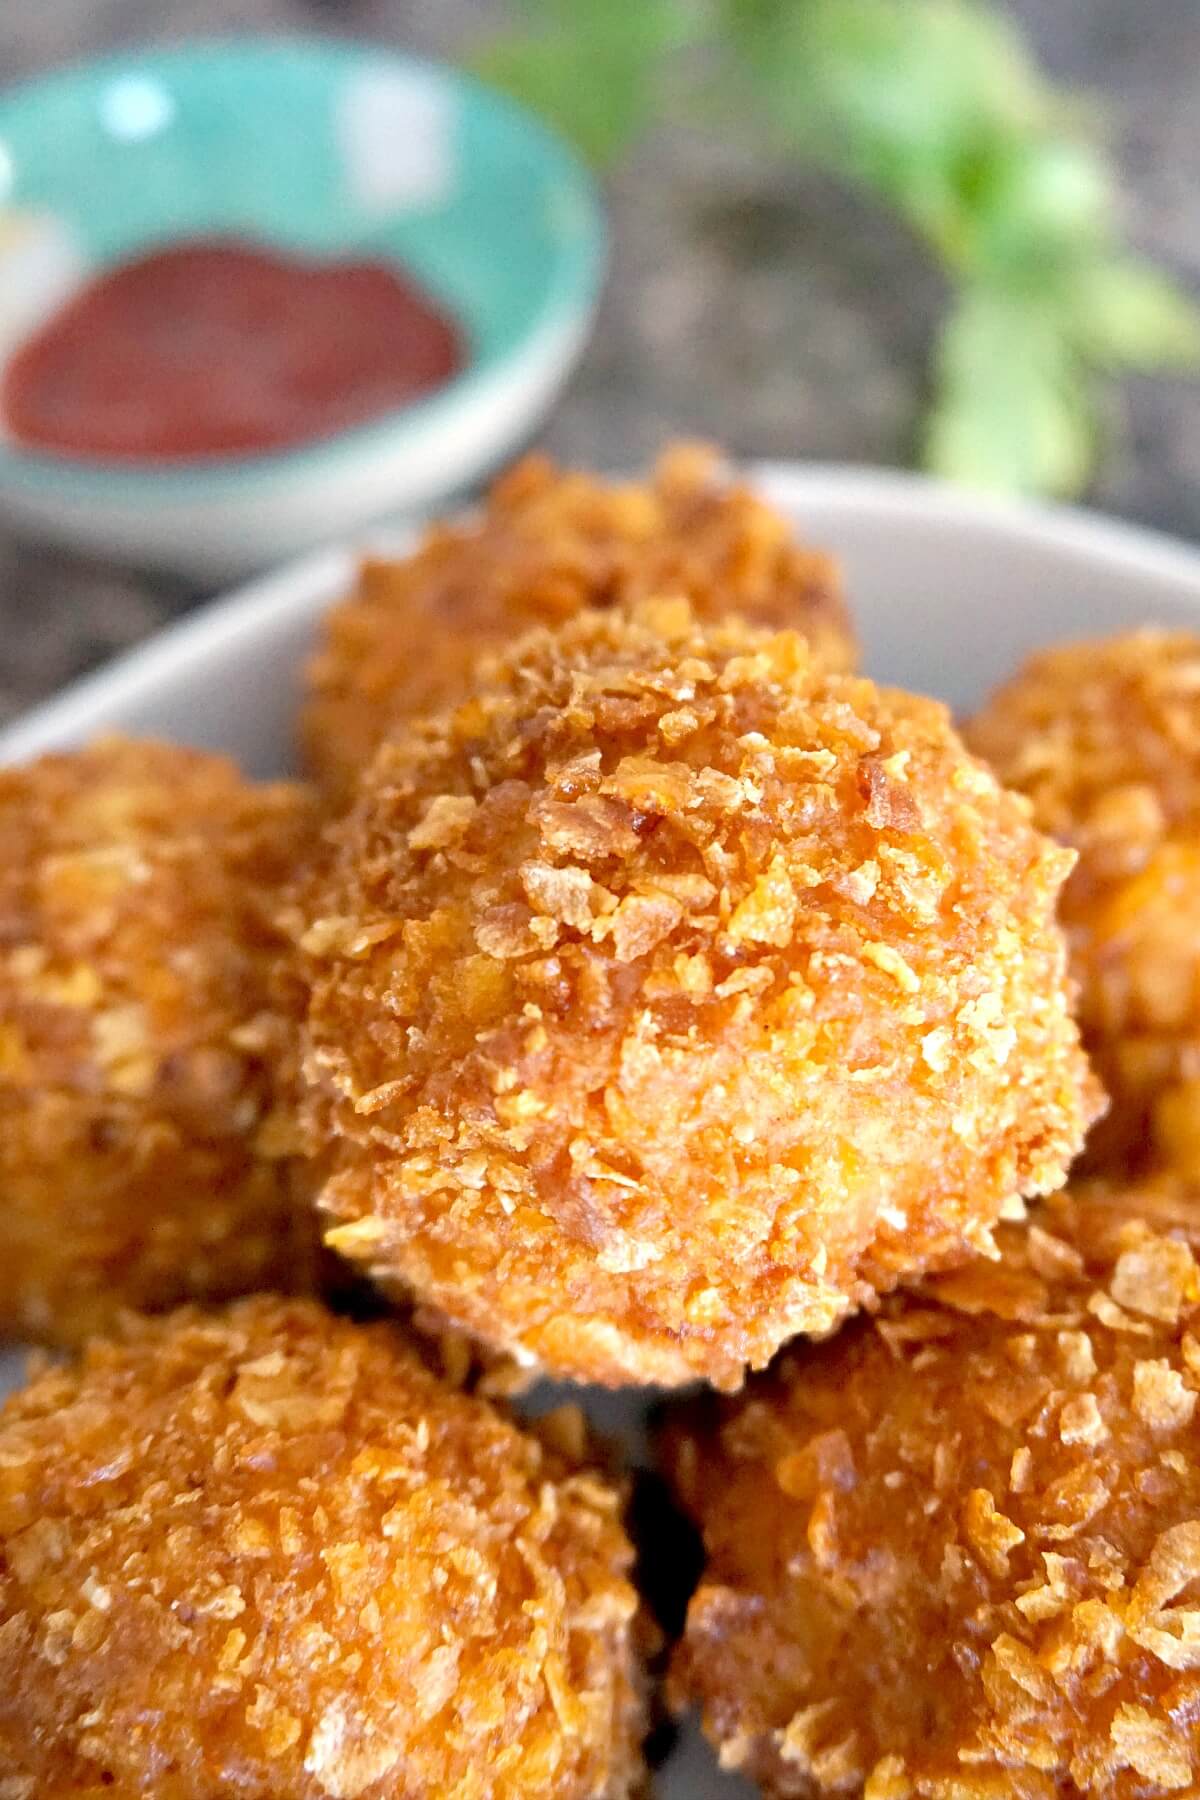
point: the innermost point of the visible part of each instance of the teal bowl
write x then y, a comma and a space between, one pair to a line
326, 148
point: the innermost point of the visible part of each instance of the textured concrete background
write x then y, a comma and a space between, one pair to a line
747, 303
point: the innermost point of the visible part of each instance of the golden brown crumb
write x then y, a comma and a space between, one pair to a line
549, 543
956, 1553
266, 1553
1104, 737
674, 995
146, 1154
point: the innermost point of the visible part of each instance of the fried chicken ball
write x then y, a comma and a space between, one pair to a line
674, 995
1104, 737
267, 1554
547, 544
957, 1551
145, 1154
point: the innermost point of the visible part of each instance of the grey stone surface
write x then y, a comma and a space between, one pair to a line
746, 302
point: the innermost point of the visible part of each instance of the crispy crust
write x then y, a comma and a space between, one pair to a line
548, 543
956, 1553
675, 995
266, 1552
1104, 737
147, 1154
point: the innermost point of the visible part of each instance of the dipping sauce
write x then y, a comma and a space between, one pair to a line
218, 348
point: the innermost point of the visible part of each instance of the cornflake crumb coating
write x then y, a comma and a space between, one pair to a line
674, 995
547, 544
147, 1154
1104, 737
955, 1555
266, 1553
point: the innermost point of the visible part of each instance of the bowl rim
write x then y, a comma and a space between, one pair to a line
570, 300
302, 589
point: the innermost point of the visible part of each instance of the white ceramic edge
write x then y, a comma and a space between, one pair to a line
298, 590
301, 589
920, 499
220, 536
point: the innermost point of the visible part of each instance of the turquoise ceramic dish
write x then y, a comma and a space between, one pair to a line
327, 148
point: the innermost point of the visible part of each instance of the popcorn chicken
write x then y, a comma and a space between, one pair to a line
1104, 738
547, 544
266, 1552
993, 1587
673, 996
149, 1148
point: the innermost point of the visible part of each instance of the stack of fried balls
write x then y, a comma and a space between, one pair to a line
636, 996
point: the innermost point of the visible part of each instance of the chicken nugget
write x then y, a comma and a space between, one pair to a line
266, 1553
146, 1151
675, 995
1104, 737
957, 1551
548, 543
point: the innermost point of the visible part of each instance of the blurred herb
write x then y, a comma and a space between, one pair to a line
593, 68
938, 108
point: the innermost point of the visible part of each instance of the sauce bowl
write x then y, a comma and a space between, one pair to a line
330, 150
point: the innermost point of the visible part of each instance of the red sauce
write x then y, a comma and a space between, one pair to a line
216, 348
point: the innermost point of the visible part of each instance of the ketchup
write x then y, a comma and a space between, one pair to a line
216, 348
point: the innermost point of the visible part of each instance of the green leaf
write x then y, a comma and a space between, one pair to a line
1042, 204
934, 104
593, 70
1129, 315
1012, 411
878, 83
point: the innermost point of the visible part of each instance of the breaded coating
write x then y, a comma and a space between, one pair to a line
674, 995
956, 1553
548, 543
266, 1553
146, 1153
1104, 737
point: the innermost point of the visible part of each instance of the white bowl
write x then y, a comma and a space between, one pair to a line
949, 594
